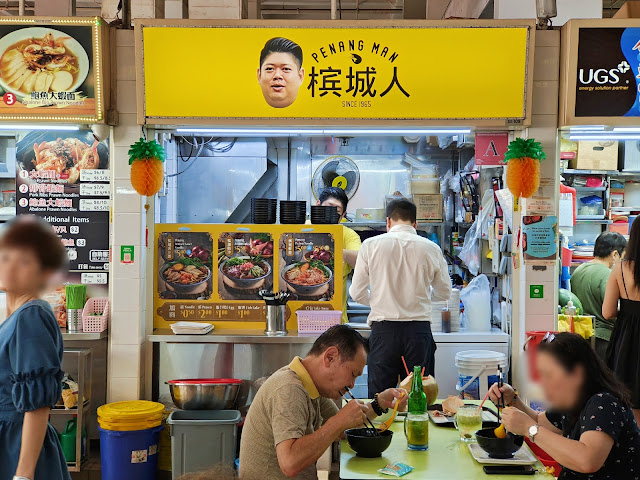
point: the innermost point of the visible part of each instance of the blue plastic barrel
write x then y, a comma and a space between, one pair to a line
131, 455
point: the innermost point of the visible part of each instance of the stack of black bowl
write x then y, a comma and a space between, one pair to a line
264, 210
324, 215
293, 211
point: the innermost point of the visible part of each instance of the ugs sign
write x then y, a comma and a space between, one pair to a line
603, 76
606, 83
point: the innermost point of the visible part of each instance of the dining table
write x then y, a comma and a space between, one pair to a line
448, 458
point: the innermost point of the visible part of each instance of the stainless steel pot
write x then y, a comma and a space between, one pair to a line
205, 393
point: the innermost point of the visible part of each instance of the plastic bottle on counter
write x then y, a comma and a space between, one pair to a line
571, 312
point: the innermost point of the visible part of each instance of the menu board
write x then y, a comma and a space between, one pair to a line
51, 69
63, 177
215, 272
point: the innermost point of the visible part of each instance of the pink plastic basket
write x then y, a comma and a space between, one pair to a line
95, 323
317, 321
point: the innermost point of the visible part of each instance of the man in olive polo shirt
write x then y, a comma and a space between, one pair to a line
293, 419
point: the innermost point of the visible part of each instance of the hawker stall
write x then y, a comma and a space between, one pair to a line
236, 230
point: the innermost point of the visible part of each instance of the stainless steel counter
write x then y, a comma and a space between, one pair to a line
240, 336
82, 336
230, 336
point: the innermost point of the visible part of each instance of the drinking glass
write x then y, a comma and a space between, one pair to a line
468, 421
416, 429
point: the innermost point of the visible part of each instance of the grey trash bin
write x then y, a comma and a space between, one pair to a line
202, 438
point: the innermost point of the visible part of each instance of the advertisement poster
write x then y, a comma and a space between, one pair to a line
246, 265
63, 177
322, 72
185, 266
215, 272
608, 82
540, 239
49, 70
307, 265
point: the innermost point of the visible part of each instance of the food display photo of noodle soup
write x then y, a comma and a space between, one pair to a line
245, 265
60, 157
44, 66
307, 265
185, 265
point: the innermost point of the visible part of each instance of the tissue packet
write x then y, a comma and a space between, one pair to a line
396, 469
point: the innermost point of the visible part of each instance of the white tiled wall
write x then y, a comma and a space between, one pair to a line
539, 314
128, 349
127, 333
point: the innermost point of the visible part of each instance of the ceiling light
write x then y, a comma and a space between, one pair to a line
35, 126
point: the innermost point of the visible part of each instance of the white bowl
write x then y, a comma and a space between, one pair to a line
39, 32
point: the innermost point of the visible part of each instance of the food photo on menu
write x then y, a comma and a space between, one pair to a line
47, 67
185, 265
307, 265
245, 265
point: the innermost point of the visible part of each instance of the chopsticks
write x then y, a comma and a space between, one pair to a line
368, 420
274, 299
501, 399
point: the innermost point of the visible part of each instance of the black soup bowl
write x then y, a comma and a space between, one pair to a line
366, 444
499, 447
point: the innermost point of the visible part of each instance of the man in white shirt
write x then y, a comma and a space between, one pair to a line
398, 274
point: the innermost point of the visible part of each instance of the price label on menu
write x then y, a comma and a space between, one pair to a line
94, 205
93, 278
94, 189
95, 175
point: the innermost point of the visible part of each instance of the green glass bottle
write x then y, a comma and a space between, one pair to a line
417, 397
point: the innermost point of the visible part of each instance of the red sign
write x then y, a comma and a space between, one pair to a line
491, 147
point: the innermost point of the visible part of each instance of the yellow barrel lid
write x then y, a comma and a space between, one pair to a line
120, 427
122, 412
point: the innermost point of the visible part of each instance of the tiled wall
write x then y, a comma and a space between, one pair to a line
199, 9
129, 353
126, 332
528, 313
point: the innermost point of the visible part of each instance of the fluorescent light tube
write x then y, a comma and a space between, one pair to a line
36, 126
587, 128
237, 132
397, 131
627, 129
596, 137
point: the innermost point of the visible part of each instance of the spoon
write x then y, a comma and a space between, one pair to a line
386, 425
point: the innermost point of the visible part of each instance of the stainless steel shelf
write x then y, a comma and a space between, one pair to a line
71, 411
590, 189
571, 171
82, 336
602, 222
359, 225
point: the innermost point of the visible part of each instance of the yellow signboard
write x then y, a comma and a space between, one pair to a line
434, 71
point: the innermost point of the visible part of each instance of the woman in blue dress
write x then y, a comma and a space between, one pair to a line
30, 353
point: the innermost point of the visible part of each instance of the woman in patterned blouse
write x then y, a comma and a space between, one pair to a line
589, 429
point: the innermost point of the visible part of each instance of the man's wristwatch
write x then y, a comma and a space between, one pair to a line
533, 431
375, 405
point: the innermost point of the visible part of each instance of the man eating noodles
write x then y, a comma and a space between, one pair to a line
293, 418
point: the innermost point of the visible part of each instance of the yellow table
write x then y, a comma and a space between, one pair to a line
447, 458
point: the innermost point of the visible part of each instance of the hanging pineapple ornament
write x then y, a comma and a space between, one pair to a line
523, 167
147, 169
